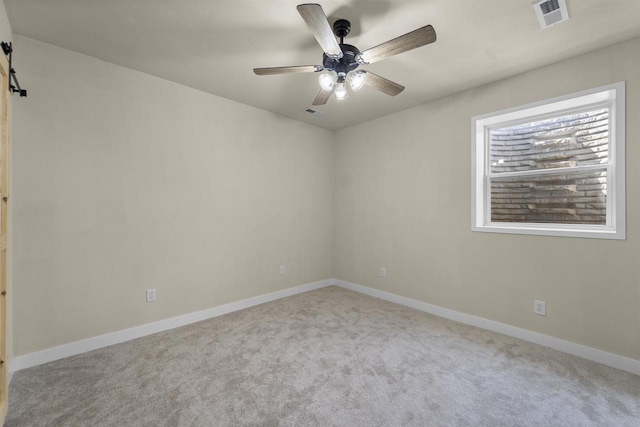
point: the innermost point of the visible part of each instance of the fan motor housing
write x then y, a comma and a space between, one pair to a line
345, 64
341, 28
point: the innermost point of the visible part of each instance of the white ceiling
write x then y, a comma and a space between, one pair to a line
214, 45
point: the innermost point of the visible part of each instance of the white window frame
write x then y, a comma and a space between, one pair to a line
613, 96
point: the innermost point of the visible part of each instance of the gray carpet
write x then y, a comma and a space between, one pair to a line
330, 357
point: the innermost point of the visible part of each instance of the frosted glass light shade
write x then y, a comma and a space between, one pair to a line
356, 80
327, 80
341, 90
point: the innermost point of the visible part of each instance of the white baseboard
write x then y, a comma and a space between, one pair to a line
589, 353
44, 356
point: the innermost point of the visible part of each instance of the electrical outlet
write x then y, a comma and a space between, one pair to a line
151, 295
539, 308
282, 269
383, 272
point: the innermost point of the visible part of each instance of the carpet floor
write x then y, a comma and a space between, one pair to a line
329, 357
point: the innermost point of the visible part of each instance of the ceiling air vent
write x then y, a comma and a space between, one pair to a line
551, 12
315, 112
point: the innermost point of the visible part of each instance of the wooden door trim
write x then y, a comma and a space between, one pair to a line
4, 201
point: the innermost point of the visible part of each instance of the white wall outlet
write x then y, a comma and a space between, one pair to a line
383, 272
151, 295
282, 269
539, 308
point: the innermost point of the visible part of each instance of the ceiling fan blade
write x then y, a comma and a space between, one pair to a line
382, 84
287, 70
317, 22
420, 37
322, 97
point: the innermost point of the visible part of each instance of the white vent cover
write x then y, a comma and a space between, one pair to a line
551, 12
315, 112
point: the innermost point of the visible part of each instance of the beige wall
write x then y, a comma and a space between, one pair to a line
5, 27
123, 181
402, 201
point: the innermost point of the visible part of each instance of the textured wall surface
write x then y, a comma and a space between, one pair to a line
124, 182
5, 26
402, 201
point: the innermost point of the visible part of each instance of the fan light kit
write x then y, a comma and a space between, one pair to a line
340, 60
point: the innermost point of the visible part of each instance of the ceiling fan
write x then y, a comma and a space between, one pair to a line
340, 60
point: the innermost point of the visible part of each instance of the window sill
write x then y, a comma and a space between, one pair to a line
557, 231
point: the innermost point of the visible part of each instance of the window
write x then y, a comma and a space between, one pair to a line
553, 168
